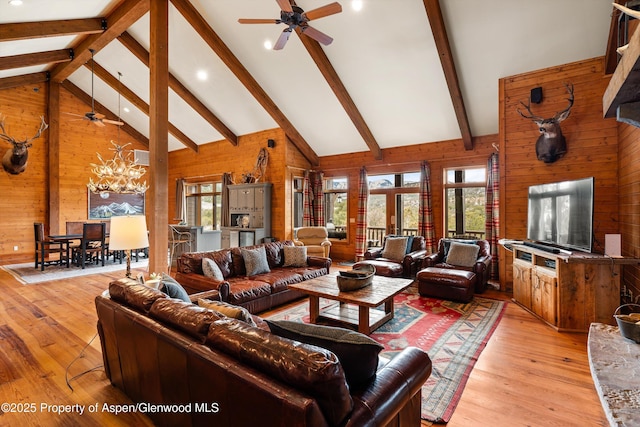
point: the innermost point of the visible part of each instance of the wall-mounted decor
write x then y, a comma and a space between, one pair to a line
551, 144
107, 204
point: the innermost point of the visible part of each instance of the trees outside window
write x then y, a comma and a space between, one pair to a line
465, 192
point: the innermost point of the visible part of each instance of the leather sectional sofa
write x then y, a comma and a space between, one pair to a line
256, 293
189, 366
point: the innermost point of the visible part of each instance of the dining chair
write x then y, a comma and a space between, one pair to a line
177, 239
92, 244
45, 247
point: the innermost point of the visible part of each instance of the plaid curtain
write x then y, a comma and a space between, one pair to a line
318, 199
307, 215
361, 219
492, 206
180, 213
426, 226
226, 214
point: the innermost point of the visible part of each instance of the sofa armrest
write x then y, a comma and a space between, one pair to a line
196, 283
431, 260
325, 243
412, 262
298, 243
483, 263
318, 261
373, 253
392, 388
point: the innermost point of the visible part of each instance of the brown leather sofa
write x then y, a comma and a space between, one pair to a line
256, 293
408, 267
480, 268
185, 365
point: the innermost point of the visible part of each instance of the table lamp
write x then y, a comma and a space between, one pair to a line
127, 233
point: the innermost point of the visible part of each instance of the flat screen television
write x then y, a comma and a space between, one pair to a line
561, 214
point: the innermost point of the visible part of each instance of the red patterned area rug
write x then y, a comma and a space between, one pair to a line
453, 334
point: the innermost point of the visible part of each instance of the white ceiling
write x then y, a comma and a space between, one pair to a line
384, 54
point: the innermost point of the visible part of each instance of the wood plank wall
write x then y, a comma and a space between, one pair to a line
25, 197
592, 144
629, 179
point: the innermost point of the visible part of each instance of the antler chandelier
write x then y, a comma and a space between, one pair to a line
118, 175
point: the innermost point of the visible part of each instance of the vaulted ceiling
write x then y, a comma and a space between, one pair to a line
399, 72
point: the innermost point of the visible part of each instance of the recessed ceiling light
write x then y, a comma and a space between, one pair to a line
15, 2
268, 45
126, 109
202, 75
356, 5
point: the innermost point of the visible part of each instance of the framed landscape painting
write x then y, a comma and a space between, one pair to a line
107, 204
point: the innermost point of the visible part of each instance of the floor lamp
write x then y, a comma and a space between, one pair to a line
127, 233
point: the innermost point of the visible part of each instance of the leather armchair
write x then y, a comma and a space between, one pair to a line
316, 239
409, 265
480, 268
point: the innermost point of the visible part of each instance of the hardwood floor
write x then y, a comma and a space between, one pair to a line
528, 375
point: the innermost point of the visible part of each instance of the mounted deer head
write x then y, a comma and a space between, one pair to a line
551, 144
14, 160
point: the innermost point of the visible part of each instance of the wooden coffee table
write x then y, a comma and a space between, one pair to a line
357, 309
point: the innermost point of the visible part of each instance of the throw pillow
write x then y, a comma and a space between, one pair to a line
462, 254
172, 288
395, 248
409, 243
211, 269
295, 256
255, 261
357, 353
229, 310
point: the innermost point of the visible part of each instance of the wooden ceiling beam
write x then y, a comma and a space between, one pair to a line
38, 58
99, 108
202, 27
118, 21
105, 76
25, 79
439, 30
611, 55
143, 55
331, 76
65, 27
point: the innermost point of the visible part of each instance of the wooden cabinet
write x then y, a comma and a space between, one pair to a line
252, 201
568, 292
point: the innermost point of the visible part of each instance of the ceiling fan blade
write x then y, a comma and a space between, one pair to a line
99, 116
317, 35
98, 123
112, 122
76, 115
323, 11
282, 40
285, 5
258, 21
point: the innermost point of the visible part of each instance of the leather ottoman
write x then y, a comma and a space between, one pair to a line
383, 268
446, 283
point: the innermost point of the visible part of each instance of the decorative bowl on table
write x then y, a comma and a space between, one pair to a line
357, 278
629, 324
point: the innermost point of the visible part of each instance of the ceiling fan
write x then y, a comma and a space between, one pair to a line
294, 17
96, 118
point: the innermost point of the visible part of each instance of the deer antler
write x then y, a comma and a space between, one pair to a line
560, 116
43, 127
4, 135
531, 115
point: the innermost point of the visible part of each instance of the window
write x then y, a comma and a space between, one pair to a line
392, 207
465, 191
336, 204
204, 204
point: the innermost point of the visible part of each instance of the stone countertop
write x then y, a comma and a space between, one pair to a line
615, 368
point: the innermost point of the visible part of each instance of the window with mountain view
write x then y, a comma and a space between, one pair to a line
465, 192
204, 204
